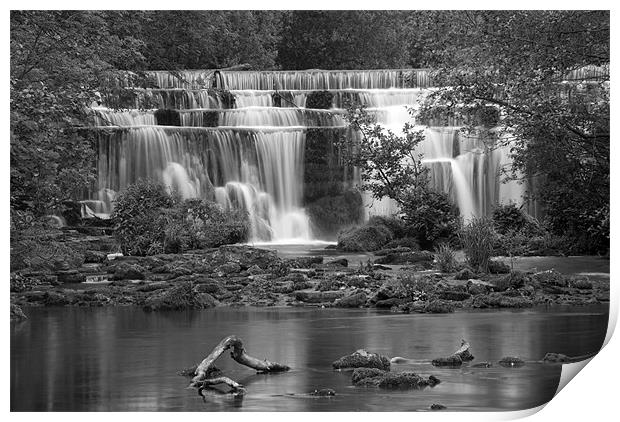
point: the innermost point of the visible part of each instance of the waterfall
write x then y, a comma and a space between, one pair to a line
250, 152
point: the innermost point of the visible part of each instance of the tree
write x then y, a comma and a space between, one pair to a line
59, 59
351, 39
547, 73
390, 166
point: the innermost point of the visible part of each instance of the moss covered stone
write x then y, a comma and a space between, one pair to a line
320, 99
362, 359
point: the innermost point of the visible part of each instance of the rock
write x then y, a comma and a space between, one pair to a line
477, 287
228, 268
323, 392
581, 283
318, 297
362, 359
343, 262
95, 257
499, 300
353, 301
297, 277
550, 277
498, 267
454, 295
433, 380
388, 303
304, 261
453, 361
390, 380
17, 314
556, 358
465, 274
70, 276
511, 362
482, 365
465, 355
180, 296
377, 267
439, 307
255, 270
128, 272
53, 298
362, 373
437, 406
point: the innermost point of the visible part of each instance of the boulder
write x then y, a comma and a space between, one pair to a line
362, 359
70, 276
550, 277
342, 262
390, 380
581, 283
498, 267
228, 268
388, 303
453, 361
128, 272
439, 307
465, 274
180, 296
437, 406
304, 261
353, 301
95, 257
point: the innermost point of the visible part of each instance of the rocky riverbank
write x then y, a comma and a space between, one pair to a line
401, 280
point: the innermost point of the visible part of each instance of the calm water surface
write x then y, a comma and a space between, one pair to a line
112, 359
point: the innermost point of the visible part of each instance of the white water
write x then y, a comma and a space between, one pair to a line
254, 158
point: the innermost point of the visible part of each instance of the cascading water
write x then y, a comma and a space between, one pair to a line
247, 149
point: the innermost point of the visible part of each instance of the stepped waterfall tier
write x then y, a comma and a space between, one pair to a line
267, 142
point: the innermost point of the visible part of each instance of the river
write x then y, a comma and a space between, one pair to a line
124, 359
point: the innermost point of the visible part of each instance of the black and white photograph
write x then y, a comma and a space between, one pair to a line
306, 210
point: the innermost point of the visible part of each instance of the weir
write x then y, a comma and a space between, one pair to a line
266, 142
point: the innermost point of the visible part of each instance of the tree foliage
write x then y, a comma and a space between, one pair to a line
547, 72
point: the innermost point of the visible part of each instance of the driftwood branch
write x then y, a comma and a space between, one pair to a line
206, 376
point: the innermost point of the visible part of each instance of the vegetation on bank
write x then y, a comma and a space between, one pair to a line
149, 220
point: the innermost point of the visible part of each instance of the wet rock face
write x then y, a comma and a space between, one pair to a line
362, 359
372, 377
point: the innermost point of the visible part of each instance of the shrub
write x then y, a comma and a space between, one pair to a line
508, 218
213, 226
366, 238
445, 259
150, 221
477, 239
430, 216
136, 209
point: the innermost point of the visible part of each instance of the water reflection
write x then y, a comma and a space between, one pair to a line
125, 359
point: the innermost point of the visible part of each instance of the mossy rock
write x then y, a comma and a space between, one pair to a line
320, 99
365, 238
167, 117
366, 377
362, 359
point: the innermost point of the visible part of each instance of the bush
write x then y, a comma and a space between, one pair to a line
444, 258
150, 221
477, 239
508, 218
136, 210
430, 216
366, 238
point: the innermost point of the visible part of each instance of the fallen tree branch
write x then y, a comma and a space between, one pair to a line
205, 375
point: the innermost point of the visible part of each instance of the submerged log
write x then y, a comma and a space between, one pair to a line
205, 376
